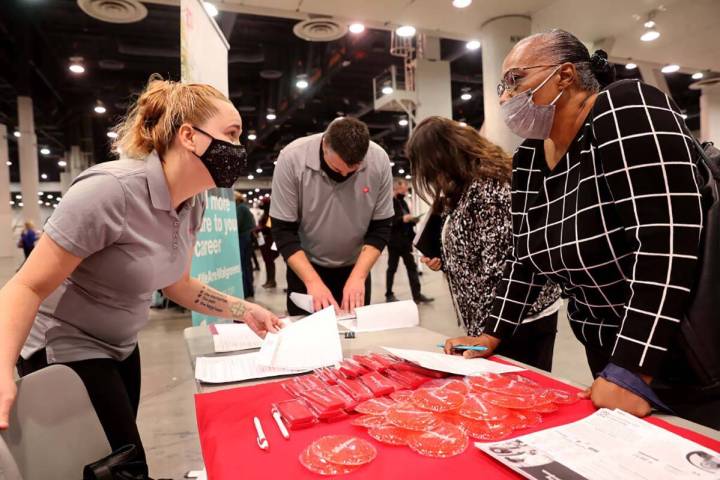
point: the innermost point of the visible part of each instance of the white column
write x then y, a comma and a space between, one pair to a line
652, 75
497, 37
432, 83
27, 147
710, 113
75, 162
7, 244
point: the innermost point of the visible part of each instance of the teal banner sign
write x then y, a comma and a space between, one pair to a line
216, 260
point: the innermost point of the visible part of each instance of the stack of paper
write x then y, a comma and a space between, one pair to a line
384, 316
230, 337
452, 363
235, 368
309, 343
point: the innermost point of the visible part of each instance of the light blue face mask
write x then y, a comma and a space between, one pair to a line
526, 119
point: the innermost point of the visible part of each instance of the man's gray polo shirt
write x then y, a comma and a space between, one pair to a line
118, 217
333, 217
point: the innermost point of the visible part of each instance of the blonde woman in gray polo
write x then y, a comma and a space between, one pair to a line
123, 230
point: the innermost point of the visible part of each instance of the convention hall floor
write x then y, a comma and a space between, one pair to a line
167, 417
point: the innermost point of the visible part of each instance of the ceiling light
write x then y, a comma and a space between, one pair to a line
18, 196
40, 202
267, 195
43, 176
650, 35
12, 203
250, 192
302, 84
99, 107
465, 96
697, 75
20, 204
76, 65
259, 170
40, 194
252, 136
55, 206
47, 204
650, 24
17, 134
50, 196
210, 9
473, 45
462, 124
392, 164
406, 31
672, 68
403, 122
62, 163
356, 28
461, 3
387, 90
8, 163
408, 177
401, 171
257, 190
251, 177
271, 115
45, 151
631, 66
112, 134
275, 162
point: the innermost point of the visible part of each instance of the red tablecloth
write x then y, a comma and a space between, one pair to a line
227, 437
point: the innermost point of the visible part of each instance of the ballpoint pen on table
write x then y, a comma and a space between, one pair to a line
261, 439
465, 347
281, 426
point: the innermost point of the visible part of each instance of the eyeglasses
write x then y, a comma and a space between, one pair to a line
509, 80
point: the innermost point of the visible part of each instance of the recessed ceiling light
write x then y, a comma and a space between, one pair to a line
697, 75
40, 194
401, 171
650, 35
251, 177
47, 204
405, 31
21, 204
18, 196
387, 90
403, 122
8, 163
465, 96
356, 28
76, 67
62, 163
392, 164
210, 9
45, 151
271, 115
257, 190
407, 177
112, 134
473, 45
252, 136
40, 202
50, 196
99, 107
17, 134
302, 84
259, 170
630, 66
672, 68
461, 3
462, 124
650, 24
43, 176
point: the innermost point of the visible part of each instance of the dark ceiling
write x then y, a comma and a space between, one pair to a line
37, 38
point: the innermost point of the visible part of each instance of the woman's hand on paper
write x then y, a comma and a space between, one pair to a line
260, 320
487, 341
433, 264
605, 394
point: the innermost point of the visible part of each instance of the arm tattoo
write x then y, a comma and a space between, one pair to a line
237, 310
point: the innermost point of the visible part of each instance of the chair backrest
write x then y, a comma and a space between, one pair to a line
54, 430
8, 467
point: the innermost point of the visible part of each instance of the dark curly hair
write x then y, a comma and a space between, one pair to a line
349, 138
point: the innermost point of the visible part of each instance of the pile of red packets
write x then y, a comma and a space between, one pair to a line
403, 404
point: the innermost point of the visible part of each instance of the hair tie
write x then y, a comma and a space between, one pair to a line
599, 61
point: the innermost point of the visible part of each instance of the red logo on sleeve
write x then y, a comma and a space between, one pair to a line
366, 189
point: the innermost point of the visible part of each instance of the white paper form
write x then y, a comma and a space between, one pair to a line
235, 368
452, 363
232, 337
309, 343
384, 316
303, 301
607, 445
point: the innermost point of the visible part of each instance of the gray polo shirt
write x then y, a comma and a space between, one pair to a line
333, 217
118, 217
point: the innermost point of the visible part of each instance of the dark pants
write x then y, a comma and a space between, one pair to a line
394, 255
533, 343
333, 278
114, 390
269, 259
676, 385
246, 263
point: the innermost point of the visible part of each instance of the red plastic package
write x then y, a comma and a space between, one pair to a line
345, 450
559, 397
391, 434
370, 363
327, 376
311, 459
411, 418
375, 406
406, 377
437, 399
510, 401
384, 360
350, 402
401, 396
292, 388
323, 399
350, 369
369, 421
296, 414
452, 384
411, 367
477, 408
356, 389
520, 419
378, 384
444, 441
484, 429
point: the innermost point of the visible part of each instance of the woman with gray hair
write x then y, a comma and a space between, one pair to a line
606, 205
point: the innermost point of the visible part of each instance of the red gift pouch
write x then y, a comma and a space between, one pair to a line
350, 369
411, 367
350, 402
323, 399
296, 414
386, 361
406, 377
369, 363
356, 389
378, 384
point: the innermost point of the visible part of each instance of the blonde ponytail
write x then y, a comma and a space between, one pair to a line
158, 113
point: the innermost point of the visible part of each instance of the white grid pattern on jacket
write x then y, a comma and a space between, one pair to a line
616, 223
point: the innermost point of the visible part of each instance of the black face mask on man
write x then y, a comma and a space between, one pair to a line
224, 161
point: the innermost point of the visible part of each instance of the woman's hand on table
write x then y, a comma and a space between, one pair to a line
605, 394
260, 320
487, 341
433, 264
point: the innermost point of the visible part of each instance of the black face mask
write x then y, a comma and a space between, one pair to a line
332, 174
224, 161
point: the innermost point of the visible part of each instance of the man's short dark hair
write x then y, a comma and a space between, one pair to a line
349, 138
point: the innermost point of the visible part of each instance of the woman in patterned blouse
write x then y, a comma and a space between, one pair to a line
468, 179
605, 203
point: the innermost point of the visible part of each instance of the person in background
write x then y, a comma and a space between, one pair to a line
265, 241
124, 229
28, 238
246, 225
606, 204
467, 178
332, 213
400, 245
